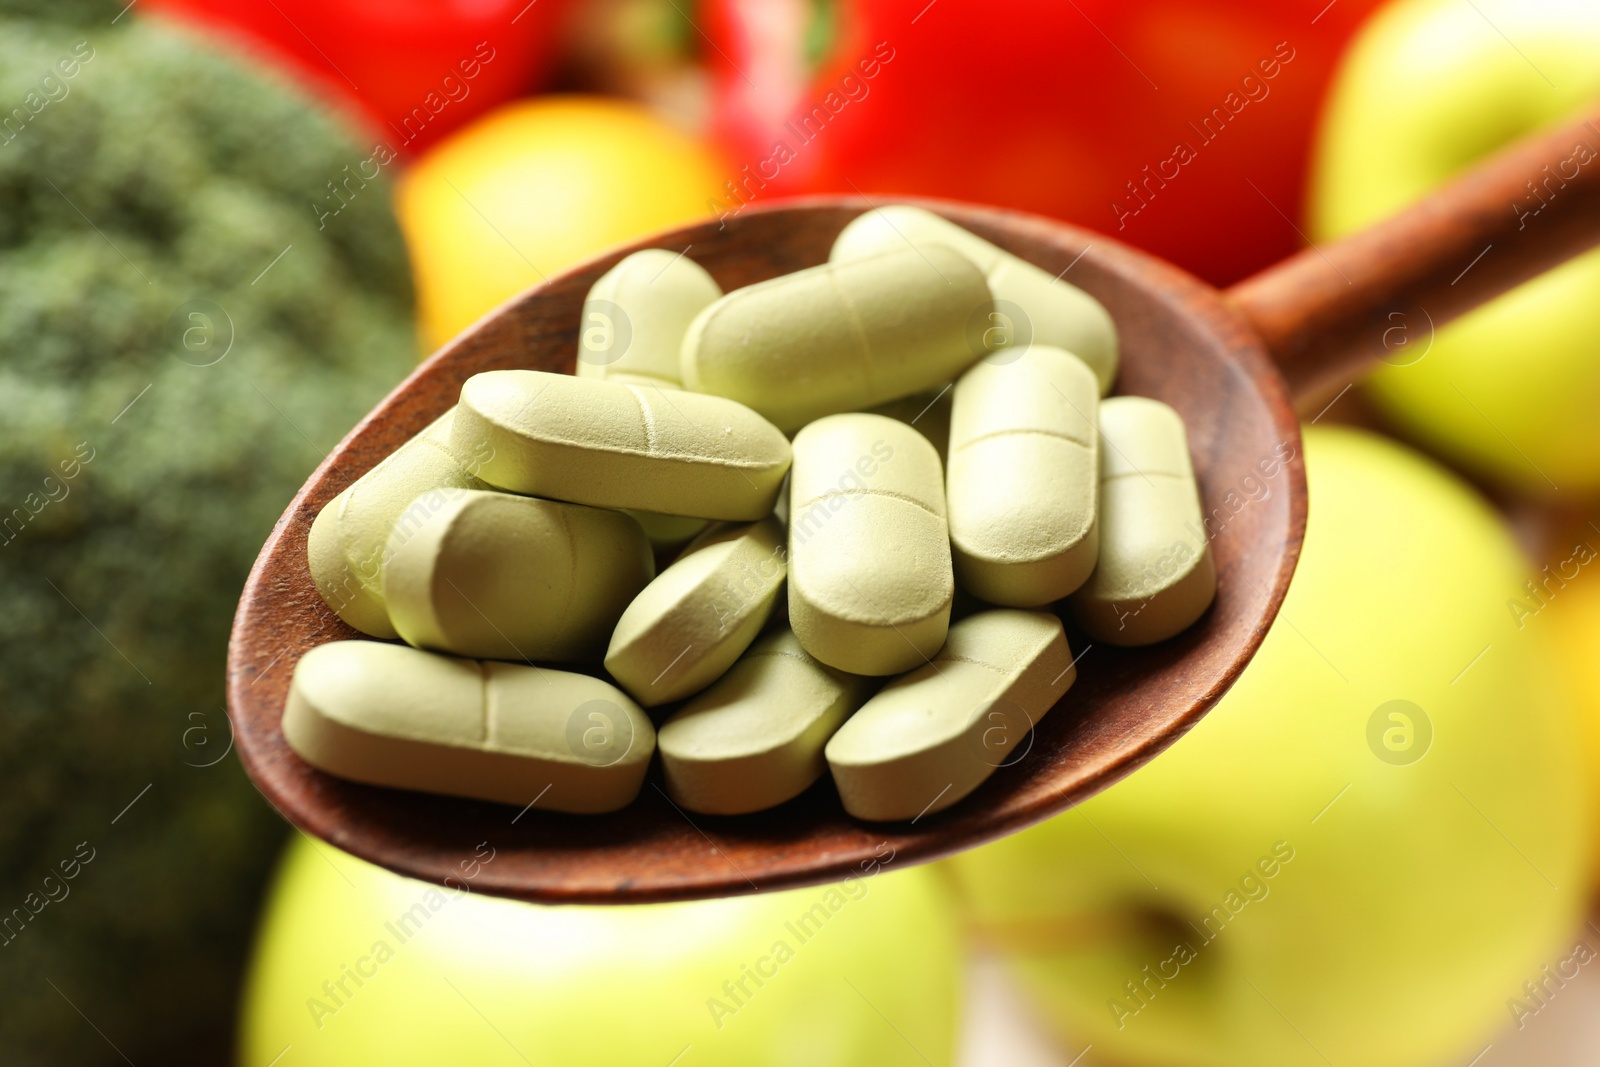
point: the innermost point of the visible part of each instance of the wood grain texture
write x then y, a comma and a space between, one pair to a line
1328, 311
1181, 343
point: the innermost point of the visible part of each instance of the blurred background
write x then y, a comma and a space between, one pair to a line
228, 227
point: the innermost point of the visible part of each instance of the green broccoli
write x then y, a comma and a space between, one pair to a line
179, 345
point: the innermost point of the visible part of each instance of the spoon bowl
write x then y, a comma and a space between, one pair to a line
1322, 315
1181, 343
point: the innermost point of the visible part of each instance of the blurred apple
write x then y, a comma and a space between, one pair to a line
1360, 856
355, 965
533, 188
1429, 88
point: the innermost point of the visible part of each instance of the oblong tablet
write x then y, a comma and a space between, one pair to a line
932, 736
1024, 476
621, 446
396, 716
1052, 312
348, 543
636, 315
870, 583
495, 576
755, 738
839, 337
688, 626
1155, 575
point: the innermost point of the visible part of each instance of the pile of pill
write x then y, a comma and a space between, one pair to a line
872, 485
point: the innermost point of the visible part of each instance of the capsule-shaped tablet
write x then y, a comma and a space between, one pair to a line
689, 625
612, 445
870, 583
1031, 306
347, 547
932, 736
1155, 575
529, 736
1024, 477
839, 337
636, 315
495, 576
755, 738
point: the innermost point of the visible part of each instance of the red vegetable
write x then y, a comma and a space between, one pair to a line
415, 68
1180, 126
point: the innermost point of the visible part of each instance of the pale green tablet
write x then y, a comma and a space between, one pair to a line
1024, 475
870, 583
636, 315
842, 336
1155, 575
932, 736
529, 736
348, 543
689, 625
1030, 304
755, 738
621, 446
495, 576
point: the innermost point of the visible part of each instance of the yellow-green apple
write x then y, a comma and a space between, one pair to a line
1509, 391
355, 965
1363, 852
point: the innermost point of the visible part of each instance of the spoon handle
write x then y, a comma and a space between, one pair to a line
1329, 310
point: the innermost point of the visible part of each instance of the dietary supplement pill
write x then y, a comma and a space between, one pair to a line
1024, 477
870, 582
932, 736
689, 625
348, 543
636, 315
395, 716
755, 738
1155, 575
612, 445
1030, 304
841, 336
495, 576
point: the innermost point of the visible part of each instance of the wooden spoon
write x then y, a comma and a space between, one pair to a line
1321, 315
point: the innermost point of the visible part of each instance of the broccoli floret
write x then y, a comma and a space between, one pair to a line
179, 345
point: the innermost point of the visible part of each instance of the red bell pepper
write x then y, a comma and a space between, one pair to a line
1180, 126
415, 68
